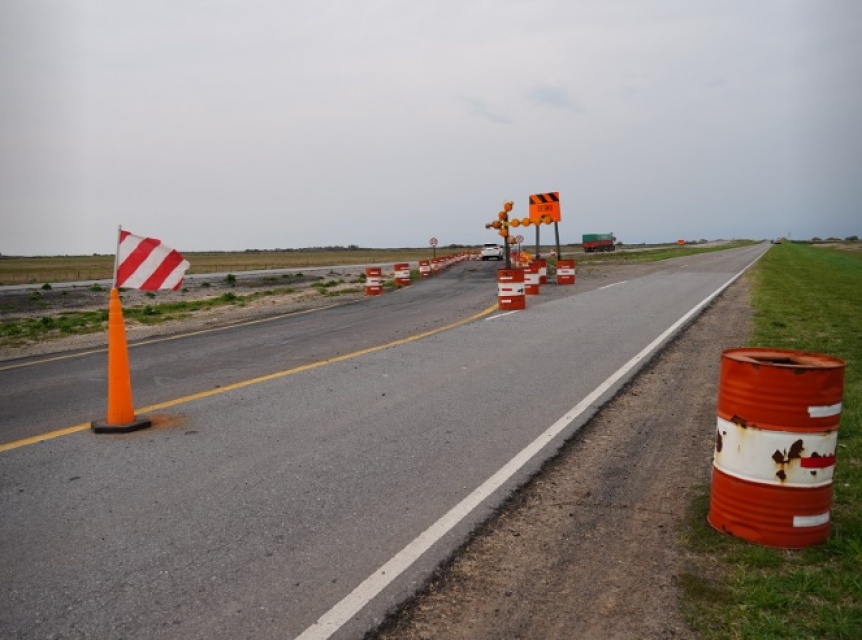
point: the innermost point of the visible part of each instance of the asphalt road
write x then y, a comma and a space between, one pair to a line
322, 491
170, 368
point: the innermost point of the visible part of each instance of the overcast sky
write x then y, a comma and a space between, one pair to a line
260, 124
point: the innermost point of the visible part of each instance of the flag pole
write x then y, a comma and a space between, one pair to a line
117, 254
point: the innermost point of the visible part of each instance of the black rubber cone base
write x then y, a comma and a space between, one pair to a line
100, 426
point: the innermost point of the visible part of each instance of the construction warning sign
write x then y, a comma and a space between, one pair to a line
545, 204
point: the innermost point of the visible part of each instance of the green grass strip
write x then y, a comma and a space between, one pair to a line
16, 332
654, 255
807, 298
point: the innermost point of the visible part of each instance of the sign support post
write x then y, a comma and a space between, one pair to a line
557, 236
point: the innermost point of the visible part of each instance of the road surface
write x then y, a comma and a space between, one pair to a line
313, 499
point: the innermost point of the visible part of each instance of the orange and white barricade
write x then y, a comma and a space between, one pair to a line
531, 280
402, 275
543, 270
510, 289
565, 272
373, 281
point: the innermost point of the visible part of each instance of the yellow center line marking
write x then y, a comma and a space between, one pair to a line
45, 436
252, 381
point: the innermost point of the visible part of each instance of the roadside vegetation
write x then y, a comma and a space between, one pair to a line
25, 330
805, 297
48, 321
656, 254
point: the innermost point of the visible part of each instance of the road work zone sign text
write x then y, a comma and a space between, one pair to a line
545, 204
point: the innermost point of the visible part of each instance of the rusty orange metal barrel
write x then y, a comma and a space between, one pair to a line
531, 279
510, 289
565, 272
775, 449
373, 281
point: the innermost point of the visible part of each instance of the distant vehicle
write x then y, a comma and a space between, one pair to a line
596, 242
492, 251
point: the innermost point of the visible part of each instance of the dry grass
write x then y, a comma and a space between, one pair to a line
54, 269
854, 247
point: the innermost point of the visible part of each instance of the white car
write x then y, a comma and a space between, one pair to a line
492, 251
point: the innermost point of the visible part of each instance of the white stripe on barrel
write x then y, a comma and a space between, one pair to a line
775, 457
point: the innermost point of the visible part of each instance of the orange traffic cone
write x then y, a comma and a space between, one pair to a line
120, 417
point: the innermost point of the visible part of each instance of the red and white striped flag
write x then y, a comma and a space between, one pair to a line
145, 263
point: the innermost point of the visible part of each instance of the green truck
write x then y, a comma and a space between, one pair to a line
595, 242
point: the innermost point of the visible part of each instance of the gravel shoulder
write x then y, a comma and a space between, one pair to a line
590, 548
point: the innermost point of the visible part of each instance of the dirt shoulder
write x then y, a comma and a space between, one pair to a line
591, 547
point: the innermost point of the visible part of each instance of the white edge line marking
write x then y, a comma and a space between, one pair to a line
331, 621
608, 286
501, 315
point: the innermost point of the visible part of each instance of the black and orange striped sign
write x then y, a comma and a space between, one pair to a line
545, 204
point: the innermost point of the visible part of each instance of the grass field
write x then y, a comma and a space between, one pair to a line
808, 298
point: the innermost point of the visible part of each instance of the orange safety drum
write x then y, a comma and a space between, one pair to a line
565, 272
775, 447
532, 279
402, 274
510, 289
373, 281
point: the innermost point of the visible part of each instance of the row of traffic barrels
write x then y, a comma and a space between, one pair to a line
427, 269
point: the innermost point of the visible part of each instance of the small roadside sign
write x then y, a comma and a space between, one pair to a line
432, 242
